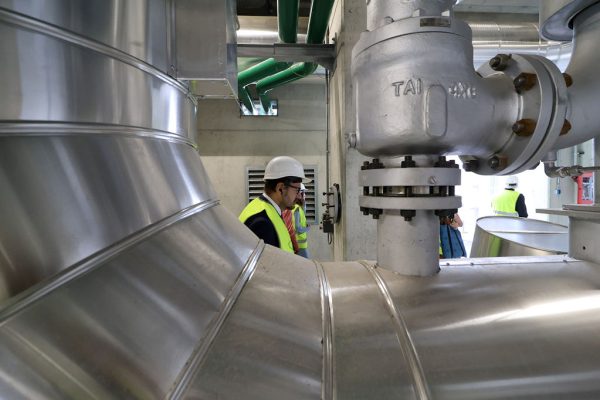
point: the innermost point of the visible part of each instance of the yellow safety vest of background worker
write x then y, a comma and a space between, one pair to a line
283, 176
510, 203
300, 225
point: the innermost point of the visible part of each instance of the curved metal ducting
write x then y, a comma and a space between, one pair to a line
583, 111
123, 277
513, 236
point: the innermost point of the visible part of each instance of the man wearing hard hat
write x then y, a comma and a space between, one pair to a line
283, 177
510, 203
301, 226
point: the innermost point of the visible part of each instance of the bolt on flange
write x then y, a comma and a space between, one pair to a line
497, 162
524, 82
500, 62
471, 165
568, 79
524, 127
566, 127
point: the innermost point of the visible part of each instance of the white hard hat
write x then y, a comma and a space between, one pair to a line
283, 166
512, 181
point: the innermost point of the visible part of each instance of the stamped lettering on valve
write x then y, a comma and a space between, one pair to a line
411, 86
462, 90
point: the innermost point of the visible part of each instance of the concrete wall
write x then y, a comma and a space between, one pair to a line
355, 236
228, 143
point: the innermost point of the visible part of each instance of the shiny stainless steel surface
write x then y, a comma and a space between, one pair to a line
120, 93
93, 140
556, 17
416, 242
368, 359
410, 103
521, 329
271, 345
583, 94
133, 282
66, 197
137, 28
127, 328
511, 236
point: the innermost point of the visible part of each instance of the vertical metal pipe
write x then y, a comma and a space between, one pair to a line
409, 247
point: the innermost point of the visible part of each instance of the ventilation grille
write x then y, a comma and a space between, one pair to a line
255, 187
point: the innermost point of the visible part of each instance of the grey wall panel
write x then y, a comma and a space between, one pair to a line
126, 329
270, 346
66, 197
136, 27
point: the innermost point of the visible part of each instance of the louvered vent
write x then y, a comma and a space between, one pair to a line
255, 186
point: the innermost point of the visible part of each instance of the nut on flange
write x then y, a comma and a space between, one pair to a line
566, 127
524, 127
500, 62
524, 82
568, 79
497, 162
471, 165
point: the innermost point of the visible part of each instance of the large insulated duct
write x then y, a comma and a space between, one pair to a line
124, 278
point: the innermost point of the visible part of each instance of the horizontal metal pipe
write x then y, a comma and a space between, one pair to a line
489, 37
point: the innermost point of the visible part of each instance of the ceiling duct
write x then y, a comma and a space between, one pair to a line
204, 43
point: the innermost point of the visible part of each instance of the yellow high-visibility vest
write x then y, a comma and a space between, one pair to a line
258, 205
505, 204
301, 238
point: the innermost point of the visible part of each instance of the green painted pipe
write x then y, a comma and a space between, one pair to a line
256, 72
260, 70
320, 11
293, 73
287, 19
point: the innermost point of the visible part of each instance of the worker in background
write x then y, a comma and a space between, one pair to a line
283, 176
451, 241
510, 203
300, 225
288, 219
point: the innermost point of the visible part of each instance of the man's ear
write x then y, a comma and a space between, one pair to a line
279, 187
